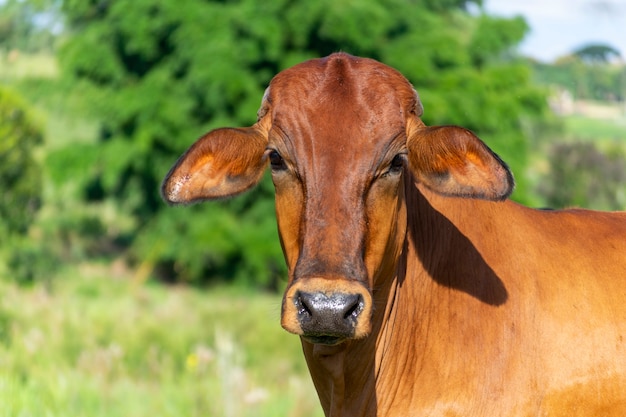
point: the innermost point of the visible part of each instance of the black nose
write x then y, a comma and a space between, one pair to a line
328, 318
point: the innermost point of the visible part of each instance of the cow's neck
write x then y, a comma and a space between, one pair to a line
407, 298
430, 325
413, 314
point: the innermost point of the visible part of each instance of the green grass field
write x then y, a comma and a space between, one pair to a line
93, 345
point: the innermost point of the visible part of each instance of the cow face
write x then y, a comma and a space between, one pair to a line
339, 135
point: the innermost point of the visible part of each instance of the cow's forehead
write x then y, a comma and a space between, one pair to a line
339, 116
342, 92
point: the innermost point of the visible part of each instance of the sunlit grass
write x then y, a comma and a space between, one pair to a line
99, 346
16, 65
597, 130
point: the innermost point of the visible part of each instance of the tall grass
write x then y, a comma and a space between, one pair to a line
92, 345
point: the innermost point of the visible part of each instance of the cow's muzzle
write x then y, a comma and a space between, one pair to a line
327, 311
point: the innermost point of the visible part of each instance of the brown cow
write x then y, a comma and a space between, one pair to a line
417, 288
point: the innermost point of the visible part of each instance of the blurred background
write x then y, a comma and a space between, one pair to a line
112, 304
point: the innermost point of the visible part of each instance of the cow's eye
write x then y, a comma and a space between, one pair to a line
276, 161
396, 165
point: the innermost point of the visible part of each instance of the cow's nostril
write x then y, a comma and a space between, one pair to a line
301, 305
353, 310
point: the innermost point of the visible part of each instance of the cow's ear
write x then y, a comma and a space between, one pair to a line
452, 161
222, 163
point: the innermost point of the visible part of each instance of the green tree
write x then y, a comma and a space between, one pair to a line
163, 72
597, 53
25, 257
588, 73
581, 175
20, 174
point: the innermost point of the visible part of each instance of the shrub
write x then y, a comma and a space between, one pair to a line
20, 174
583, 175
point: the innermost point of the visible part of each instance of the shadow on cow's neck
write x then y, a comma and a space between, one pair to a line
448, 256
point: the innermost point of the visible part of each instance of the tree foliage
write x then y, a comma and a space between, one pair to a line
20, 174
600, 53
163, 72
21, 197
587, 73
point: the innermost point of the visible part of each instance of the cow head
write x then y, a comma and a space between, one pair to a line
340, 135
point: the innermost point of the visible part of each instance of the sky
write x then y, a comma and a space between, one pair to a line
557, 27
